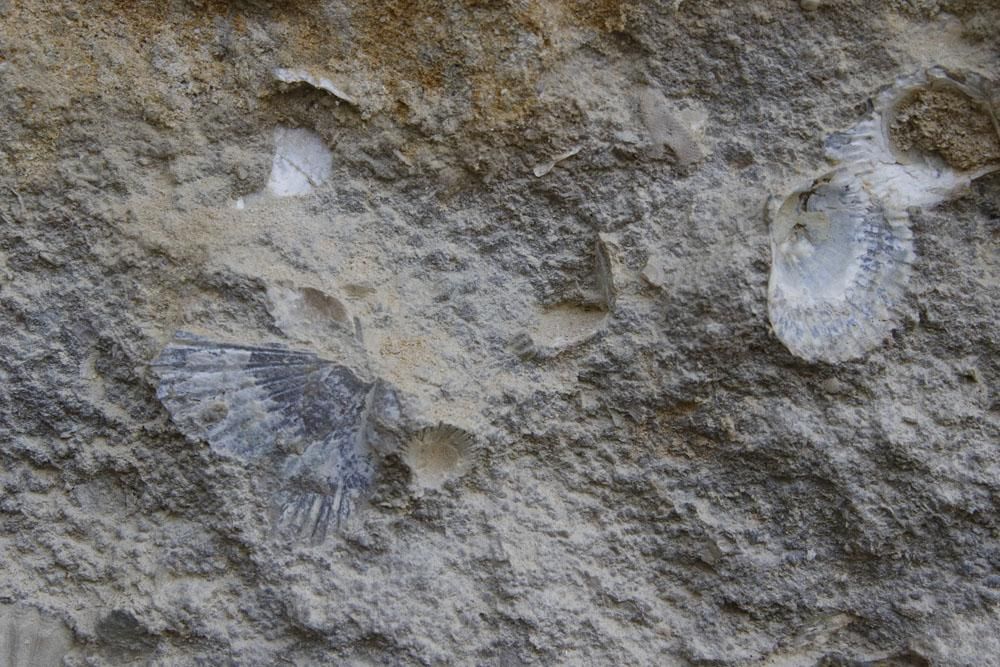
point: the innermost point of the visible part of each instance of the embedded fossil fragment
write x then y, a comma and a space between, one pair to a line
292, 76
668, 136
839, 269
438, 454
301, 162
545, 167
842, 247
307, 414
559, 329
29, 638
310, 314
608, 268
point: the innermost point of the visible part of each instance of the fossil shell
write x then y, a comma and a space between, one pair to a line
438, 454
668, 136
841, 247
306, 413
545, 167
292, 76
301, 162
839, 270
29, 638
932, 167
308, 314
608, 267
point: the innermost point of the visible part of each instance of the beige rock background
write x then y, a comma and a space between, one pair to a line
657, 480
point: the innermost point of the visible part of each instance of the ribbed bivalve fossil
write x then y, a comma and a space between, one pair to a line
838, 271
312, 417
841, 246
438, 454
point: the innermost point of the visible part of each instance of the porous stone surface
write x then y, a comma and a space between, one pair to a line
947, 123
657, 480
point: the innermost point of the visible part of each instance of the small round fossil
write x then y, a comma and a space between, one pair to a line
438, 454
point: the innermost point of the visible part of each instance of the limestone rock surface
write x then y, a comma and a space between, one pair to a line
536, 226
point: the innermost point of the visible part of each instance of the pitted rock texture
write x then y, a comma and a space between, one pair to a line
657, 479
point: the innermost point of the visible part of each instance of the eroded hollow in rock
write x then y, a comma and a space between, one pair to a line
946, 122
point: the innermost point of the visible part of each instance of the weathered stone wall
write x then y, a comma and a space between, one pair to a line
540, 224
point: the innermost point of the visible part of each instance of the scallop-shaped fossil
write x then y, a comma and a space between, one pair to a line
307, 414
926, 137
842, 247
29, 638
839, 269
438, 454
933, 114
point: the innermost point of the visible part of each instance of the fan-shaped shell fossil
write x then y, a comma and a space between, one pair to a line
842, 247
926, 137
438, 454
271, 402
29, 638
839, 270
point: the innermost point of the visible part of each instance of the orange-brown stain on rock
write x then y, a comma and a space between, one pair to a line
603, 15
404, 40
477, 61
488, 52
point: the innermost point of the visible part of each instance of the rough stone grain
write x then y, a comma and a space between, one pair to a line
666, 484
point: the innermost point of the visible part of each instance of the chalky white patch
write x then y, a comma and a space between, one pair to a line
30, 638
301, 162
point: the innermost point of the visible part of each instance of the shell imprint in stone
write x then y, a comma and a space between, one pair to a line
841, 246
307, 414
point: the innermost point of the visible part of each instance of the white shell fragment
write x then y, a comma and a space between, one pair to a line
545, 167
307, 414
303, 76
301, 162
842, 247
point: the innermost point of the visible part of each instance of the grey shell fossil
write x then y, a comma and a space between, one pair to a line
305, 413
841, 246
437, 454
839, 270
